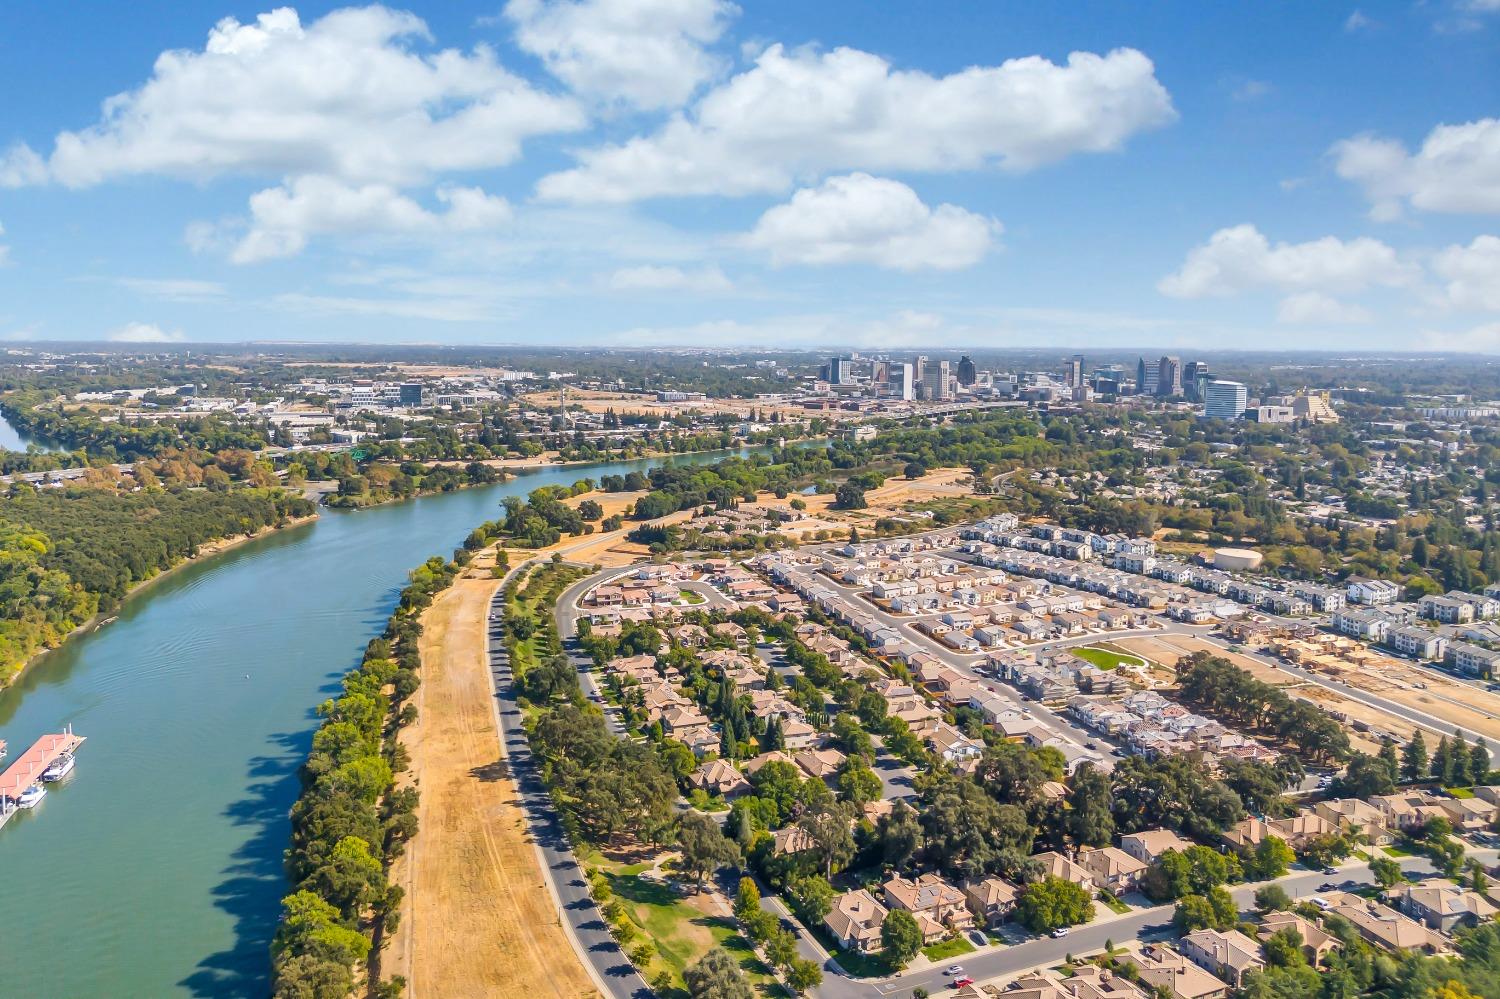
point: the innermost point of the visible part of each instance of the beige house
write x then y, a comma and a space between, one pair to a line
821, 764
1093, 982
1317, 943
1162, 967
937, 905
1357, 815
1147, 846
855, 921
1112, 869
721, 778
1229, 955
1440, 905
1383, 926
1058, 866
991, 900
1408, 809
1469, 814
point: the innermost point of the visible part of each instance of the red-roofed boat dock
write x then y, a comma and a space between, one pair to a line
31, 767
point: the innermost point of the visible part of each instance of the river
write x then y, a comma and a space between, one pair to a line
155, 869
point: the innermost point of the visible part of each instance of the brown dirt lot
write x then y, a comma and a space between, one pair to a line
478, 919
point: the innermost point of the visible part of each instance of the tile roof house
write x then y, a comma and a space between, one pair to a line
1227, 954
1162, 967
721, 778
1317, 942
991, 899
1383, 926
1093, 982
1058, 866
1147, 846
1112, 869
855, 921
937, 905
821, 764
1440, 905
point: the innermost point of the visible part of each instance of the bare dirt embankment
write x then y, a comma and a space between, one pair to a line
478, 919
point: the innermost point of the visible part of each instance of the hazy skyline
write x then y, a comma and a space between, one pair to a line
692, 172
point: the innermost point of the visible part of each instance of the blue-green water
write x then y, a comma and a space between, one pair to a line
156, 869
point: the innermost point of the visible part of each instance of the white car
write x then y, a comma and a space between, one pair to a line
1060, 932
956, 969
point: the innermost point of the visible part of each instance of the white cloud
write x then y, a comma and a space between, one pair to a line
4, 250
1358, 21
174, 289
799, 113
1252, 90
1472, 273
282, 218
648, 54
655, 278
452, 309
346, 96
907, 328
1240, 259
1480, 339
1456, 170
863, 219
1312, 307
144, 333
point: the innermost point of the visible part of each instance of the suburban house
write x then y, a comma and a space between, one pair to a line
1162, 967
1384, 926
855, 921
937, 905
1228, 954
1112, 869
1356, 815
1440, 905
1317, 942
1147, 846
1058, 866
991, 900
721, 778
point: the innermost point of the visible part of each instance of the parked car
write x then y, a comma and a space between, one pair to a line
1060, 932
956, 969
959, 983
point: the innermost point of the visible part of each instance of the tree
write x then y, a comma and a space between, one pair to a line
717, 976
1089, 819
1442, 761
914, 470
858, 783
1387, 872
1479, 762
1272, 898
1457, 773
746, 900
899, 834
849, 497
705, 848
1364, 777
1414, 758
832, 840
900, 938
1052, 902
812, 898
1389, 758
1283, 948
781, 948
804, 974
1214, 910
1268, 859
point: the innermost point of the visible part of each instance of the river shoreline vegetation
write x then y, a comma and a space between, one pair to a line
71, 554
351, 820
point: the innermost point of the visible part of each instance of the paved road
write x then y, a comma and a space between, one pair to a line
608, 965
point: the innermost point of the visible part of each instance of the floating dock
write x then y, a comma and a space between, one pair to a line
29, 766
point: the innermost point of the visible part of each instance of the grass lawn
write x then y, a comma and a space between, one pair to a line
692, 597
1459, 792
1397, 851
949, 948
1115, 905
682, 934
1107, 658
856, 964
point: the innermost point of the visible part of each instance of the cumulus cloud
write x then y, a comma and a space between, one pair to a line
1311, 308
1241, 259
283, 218
346, 96
655, 278
648, 54
1456, 170
1483, 339
803, 112
863, 219
1471, 273
144, 333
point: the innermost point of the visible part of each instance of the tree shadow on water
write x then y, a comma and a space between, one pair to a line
254, 882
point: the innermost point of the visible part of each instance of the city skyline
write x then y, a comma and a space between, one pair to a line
649, 174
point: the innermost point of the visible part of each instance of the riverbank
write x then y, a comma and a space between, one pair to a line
477, 915
205, 551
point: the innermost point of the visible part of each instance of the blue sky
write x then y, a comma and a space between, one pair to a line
639, 172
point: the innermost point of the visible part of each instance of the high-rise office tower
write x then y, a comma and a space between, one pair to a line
1073, 371
1224, 400
966, 373
907, 386
1169, 376
838, 371
1145, 377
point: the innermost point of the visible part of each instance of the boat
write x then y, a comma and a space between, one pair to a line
31, 796
59, 768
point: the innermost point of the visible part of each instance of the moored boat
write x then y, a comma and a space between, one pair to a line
59, 768
31, 796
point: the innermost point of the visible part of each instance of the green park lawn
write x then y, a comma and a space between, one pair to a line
949, 948
1107, 658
